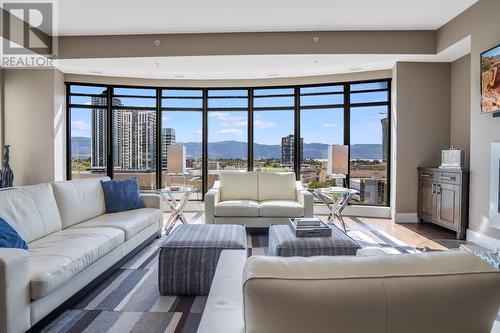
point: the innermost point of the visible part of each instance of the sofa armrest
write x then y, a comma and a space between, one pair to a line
211, 199
14, 291
305, 198
152, 200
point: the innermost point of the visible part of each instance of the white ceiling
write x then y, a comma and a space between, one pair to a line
249, 66
98, 17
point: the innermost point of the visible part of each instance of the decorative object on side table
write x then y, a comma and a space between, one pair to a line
452, 158
309, 227
7, 175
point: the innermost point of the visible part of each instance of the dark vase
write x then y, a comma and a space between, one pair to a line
7, 176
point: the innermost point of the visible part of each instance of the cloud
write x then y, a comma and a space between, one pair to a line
165, 118
230, 131
328, 125
220, 115
80, 125
198, 132
261, 124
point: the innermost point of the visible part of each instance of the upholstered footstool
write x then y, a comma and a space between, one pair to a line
284, 243
189, 256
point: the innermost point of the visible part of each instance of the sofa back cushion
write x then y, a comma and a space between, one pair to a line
238, 186
284, 294
31, 211
277, 186
79, 200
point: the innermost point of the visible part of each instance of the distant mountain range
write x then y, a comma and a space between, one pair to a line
80, 146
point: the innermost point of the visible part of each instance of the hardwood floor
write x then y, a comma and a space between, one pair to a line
410, 233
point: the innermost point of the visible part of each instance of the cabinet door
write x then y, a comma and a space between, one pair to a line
448, 205
427, 200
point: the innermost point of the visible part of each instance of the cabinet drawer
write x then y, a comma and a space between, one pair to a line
427, 175
449, 178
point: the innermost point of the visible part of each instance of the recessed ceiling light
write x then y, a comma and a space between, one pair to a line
315, 39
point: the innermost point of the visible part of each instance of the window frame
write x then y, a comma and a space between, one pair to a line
346, 105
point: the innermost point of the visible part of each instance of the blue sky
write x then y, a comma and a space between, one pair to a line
493, 52
317, 125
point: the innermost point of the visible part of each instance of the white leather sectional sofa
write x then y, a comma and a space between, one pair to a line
257, 199
435, 292
71, 242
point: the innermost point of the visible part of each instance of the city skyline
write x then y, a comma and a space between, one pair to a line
317, 125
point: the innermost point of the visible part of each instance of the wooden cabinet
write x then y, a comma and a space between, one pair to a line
443, 198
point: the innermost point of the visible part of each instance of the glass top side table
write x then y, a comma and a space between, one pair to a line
491, 256
176, 198
336, 200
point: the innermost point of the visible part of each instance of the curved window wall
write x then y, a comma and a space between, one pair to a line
188, 136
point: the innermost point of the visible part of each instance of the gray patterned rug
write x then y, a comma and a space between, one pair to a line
129, 301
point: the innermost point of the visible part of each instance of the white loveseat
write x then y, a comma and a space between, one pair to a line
435, 292
257, 199
71, 242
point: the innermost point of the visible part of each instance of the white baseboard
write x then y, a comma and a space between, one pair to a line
357, 210
476, 237
404, 217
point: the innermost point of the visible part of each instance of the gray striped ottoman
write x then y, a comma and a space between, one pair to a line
284, 243
189, 256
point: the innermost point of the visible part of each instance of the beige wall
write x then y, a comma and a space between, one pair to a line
460, 105
32, 101
372, 75
300, 42
481, 23
421, 128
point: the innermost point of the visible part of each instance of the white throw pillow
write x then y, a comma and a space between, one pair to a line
277, 186
238, 186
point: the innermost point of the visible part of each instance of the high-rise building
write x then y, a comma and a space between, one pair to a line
385, 139
167, 138
134, 140
99, 138
288, 149
98, 141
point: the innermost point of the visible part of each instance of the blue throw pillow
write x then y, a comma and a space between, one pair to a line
122, 195
9, 237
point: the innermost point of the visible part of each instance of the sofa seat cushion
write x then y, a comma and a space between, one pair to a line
281, 208
237, 208
131, 222
56, 258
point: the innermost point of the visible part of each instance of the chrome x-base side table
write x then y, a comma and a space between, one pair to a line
176, 198
336, 200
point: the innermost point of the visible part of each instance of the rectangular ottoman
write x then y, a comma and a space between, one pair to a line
189, 256
284, 243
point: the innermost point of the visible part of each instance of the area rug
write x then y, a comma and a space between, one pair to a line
129, 301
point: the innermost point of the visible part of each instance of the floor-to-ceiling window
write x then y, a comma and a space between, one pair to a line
186, 136
321, 126
227, 132
273, 129
369, 142
134, 128
87, 130
181, 138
